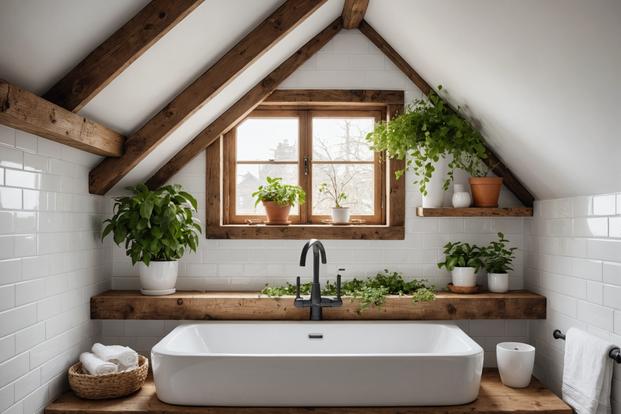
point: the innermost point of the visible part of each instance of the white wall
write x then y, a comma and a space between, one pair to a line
51, 263
574, 258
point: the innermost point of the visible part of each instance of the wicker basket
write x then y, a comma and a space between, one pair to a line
98, 387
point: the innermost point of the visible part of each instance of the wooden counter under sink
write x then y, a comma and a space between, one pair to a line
189, 305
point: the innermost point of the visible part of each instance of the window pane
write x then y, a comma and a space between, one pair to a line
263, 139
250, 176
356, 180
342, 139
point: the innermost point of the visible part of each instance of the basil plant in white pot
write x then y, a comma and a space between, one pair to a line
463, 260
157, 227
497, 260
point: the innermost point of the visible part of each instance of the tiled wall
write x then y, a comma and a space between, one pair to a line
573, 257
51, 263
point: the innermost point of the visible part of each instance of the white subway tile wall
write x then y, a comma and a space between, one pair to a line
573, 257
51, 263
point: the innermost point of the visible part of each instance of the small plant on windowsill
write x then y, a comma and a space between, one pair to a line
497, 260
278, 198
463, 260
340, 213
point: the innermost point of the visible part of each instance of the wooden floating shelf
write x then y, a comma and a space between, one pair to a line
493, 398
474, 212
120, 304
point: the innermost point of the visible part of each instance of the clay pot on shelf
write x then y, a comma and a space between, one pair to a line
498, 282
485, 191
340, 215
158, 278
464, 276
276, 213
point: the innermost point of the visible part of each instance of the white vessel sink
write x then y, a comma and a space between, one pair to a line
317, 364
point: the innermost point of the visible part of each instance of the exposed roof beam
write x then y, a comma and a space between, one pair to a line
26, 111
332, 96
353, 13
492, 160
117, 52
244, 105
110, 171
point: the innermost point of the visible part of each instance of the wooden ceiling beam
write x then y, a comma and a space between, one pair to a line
353, 13
492, 160
26, 111
117, 52
244, 105
110, 171
334, 96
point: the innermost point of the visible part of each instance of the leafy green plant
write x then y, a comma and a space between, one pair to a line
428, 131
155, 225
497, 257
460, 254
281, 194
369, 291
333, 193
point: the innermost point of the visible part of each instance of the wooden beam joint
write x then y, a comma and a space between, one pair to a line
353, 13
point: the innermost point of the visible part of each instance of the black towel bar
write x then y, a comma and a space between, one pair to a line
615, 353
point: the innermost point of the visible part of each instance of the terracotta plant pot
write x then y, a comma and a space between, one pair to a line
485, 191
276, 214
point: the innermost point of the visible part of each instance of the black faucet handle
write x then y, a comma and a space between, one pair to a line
297, 287
338, 287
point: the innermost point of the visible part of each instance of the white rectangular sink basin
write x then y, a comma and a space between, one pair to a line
317, 364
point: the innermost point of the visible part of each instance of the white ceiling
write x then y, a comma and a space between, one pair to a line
543, 77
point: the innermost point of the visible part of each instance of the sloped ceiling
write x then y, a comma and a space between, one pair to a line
543, 77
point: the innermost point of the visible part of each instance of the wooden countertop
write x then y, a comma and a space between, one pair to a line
120, 304
493, 398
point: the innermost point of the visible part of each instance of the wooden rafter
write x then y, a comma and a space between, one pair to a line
110, 171
26, 111
244, 105
353, 13
117, 52
333, 96
492, 160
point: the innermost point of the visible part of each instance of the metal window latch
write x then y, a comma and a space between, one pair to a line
305, 165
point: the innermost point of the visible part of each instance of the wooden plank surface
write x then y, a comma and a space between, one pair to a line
119, 304
28, 112
353, 13
288, 16
117, 52
474, 212
304, 232
494, 398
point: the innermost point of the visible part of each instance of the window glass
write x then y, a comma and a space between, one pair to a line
263, 139
342, 139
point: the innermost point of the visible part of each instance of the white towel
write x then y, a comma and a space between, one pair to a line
125, 357
587, 373
96, 366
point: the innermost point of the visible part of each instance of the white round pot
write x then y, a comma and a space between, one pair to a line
340, 215
159, 278
464, 276
461, 197
435, 192
515, 363
498, 282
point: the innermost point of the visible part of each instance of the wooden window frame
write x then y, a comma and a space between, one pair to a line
219, 157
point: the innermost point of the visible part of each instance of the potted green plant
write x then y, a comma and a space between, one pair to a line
463, 260
435, 140
340, 213
497, 261
157, 228
278, 198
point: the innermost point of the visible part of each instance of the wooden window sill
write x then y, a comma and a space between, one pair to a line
306, 231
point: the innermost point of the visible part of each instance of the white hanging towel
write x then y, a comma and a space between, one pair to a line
125, 357
587, 373
96, 366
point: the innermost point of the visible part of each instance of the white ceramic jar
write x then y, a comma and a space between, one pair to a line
461, 197
515, 363
464, 276
159, 278
498, 282
340, 215
435, 190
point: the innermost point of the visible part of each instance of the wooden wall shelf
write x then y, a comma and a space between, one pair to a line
493, 398
119, 304
474, 212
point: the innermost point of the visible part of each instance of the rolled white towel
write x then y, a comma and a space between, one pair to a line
123, 356
96, 366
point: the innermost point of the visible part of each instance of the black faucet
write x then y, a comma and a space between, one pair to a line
316, 302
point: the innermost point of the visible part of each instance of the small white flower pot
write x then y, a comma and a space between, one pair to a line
340, 215
464, 276
461, 198
498, 282
515, 363
159, 278
435, 190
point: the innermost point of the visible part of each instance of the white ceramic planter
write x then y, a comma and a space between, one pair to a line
515, 363
461, 197
159, 278
435, 192
498, 282
464, 276
340, 215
